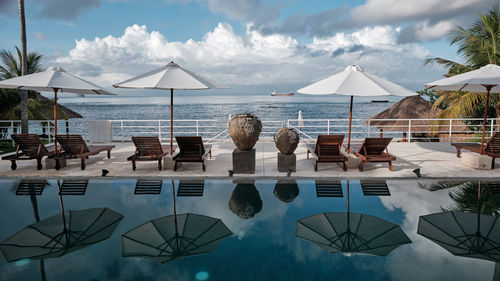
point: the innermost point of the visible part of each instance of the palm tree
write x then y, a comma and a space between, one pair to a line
39, 107
12, 63
478, 45
24, 69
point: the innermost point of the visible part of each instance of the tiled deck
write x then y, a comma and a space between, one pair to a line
436, 160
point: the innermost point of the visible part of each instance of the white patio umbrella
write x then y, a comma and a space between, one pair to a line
354, 81
53, 79
483, 80
170, 77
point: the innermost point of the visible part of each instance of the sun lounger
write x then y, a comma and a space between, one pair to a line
327, 150
491, 149
148, 149
192, 149
374, 150
74, 147
29, 147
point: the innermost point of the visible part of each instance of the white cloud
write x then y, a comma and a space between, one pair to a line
39, 35
388, 11
251, 58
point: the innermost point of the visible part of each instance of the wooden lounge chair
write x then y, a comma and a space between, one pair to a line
327, 150
29, 147
148, 149
491, 149
74, 146
374, 150
192, 149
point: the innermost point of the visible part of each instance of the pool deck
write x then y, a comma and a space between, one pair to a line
435, 160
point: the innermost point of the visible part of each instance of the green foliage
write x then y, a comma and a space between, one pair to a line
465, 197
478, 45
11, 64
430, 94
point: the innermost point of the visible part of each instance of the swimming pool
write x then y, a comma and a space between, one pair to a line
261, 216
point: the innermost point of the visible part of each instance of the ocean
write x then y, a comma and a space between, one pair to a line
219, 107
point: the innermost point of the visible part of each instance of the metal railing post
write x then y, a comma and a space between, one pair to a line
328, 125
197, 130
451, 129
492, 122
369, 123
121, 125
288, 123
409, 130
159, 130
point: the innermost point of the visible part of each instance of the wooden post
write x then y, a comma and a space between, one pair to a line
488, 88
381, 133
171, 121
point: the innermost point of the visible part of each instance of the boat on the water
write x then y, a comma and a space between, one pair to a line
379, 101
281, 94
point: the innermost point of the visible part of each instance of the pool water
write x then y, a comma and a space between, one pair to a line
262, 216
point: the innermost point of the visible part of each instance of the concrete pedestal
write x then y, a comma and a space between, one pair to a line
287, 162
50, 163
476, 161
168, 163
352, 161
244, 162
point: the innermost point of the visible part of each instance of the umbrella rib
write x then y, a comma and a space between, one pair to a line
145, 244
436, 227
205, 231
209, 242
328, 239
93, 223
383, 233
491, 228
331, 225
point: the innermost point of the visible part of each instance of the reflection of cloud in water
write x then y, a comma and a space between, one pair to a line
407, 262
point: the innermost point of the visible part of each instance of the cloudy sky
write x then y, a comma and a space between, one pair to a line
242, 42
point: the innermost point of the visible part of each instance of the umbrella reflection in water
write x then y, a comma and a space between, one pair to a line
351, 233
175, 236
465, 234
61, 234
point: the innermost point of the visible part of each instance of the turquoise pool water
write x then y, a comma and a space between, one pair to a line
262, 216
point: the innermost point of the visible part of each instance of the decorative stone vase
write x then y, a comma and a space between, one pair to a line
245, 201
286, 190
286, 140
244, 130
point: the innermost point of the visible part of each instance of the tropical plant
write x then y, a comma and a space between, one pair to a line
12, 67
465, 196
478, 45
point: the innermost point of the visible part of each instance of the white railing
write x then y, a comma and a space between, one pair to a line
216, 130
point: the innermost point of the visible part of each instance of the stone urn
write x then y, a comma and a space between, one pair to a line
286, 140
244, 130
245, 201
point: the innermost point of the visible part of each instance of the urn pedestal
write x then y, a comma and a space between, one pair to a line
287, 162
244, 161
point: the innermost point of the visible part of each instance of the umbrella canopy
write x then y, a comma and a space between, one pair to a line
483, 80
354, 81
170, 77
338, 232
463, 234
175, 236
53, 79
59, 235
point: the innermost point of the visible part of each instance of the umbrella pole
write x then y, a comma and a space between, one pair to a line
349, 132
488, 88
171, 121
55, 119
176, 241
